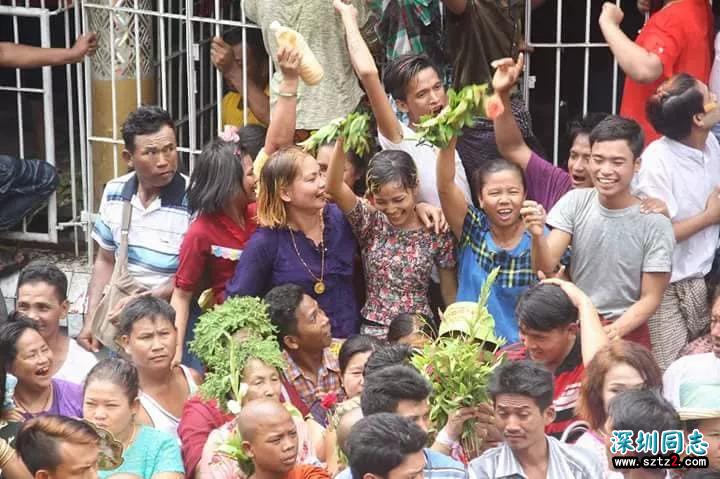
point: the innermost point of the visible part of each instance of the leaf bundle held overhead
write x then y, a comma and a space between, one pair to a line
353, 129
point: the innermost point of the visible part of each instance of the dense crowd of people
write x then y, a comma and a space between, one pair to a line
261, 318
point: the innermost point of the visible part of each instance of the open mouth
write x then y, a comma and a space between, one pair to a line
505, 213
606, 182
43, 372
577, 179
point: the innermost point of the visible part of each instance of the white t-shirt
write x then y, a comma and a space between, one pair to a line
77, 365
695, 368
425, 157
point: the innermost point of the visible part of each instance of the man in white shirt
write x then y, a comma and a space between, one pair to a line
682, 168
42, 297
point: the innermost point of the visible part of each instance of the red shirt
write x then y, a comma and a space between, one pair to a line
567, 379
198, 419
212, 247
681, 35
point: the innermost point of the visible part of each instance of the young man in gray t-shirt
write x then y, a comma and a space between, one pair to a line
621, 257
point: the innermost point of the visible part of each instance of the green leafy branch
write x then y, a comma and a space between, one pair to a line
353, 129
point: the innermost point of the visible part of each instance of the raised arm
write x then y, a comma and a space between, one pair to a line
25, 56
342, 194
508, 137
367, 71
452, 198
546, 250
637, 63
281, 131
651, 292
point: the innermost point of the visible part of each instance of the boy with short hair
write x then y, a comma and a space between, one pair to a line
42, 297
609, 236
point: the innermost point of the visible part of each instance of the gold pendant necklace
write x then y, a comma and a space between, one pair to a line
319, 286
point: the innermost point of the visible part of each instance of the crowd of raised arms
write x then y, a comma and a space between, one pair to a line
289, 311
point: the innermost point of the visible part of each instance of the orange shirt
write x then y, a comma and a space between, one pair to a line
305, 471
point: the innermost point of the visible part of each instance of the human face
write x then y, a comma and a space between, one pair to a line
715, 328
106, 405
313, 326
33, 364
352, 378
711, 116
620, 377
578, 161
40, 302
521, 421
249, 180
324, 154
307, 190
263, 381
417, 411
501, 197
411, 467
78, 461
612, 166
154, 158
275, 445
151, 343
397, 203
710, 429
424, 95
548, 347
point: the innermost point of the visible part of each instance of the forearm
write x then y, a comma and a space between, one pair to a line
637, 314
686, 228
281, 131
257, 101
592, 334
24, 56
452, 200
164, 290
448, 285
542, 258
180, 302
508, 136
637, 63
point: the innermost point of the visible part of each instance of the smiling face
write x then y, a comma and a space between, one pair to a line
33, 363
397, 203
40, 302
578, 161
621, 377
154, 158
424, 95
612, 166
521, 421
548, 347
307, 190
151, 343
501, 197
106, 405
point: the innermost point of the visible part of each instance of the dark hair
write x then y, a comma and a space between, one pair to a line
674, 104
388, 355
282, 302
379, 443
391, 166
10, 333
524, 378
37, 272
38, 441
252, 139
384, 389
119, 372
584, 125
642, 410
544, 307
253, 40
401, 325
360, 343
614, 128
490, 167
401, 71
702, 474
217, 177
143, 307
146, 120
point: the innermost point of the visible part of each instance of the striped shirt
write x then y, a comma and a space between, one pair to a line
564, 461
156, 231
437, 466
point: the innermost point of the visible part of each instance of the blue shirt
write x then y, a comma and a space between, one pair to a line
437, 466
152, 452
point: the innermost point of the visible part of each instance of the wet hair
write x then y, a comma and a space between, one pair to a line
280, 170
143, 307
146, 120
400, 72
391, 166
360, 343
401, 325
584, 125
37, 272
490, 167
388, 355
282, 302
544, 307
674, 104
118, 371
524, 378
10, 334
614, 128
590, 405
379, 443
384, 389
642, 410
39, 440
217, 177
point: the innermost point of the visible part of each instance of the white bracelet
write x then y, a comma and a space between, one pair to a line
445, 440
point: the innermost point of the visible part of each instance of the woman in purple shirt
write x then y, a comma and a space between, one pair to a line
26, 355
302, 239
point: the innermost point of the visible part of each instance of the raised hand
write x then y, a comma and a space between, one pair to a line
289, 62
611, 13
533, 215
507, 72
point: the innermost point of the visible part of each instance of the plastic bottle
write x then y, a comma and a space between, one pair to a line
311, 72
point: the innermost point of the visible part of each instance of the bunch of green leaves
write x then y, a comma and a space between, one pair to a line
459, 368
462, 109
353, 129
233, 449
215, 328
